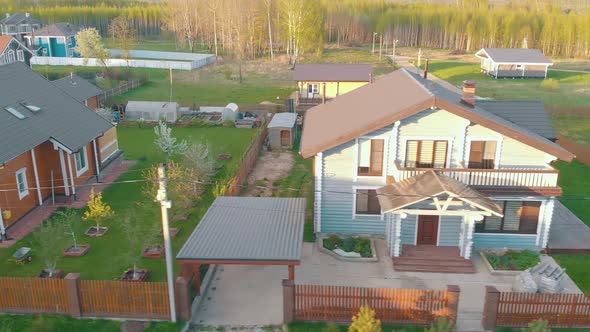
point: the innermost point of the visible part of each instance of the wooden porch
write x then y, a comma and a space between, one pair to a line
431, 258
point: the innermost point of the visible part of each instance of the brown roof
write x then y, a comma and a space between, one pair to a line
428, 185
333, 72
392, 98
4, 42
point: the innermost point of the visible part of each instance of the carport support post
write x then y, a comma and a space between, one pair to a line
490, 308
292, 272
197, 278
288, 300
453, 304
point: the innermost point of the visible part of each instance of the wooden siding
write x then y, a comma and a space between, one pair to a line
510, 241
107, 144
274, 137
408, 232
9, 200
450, 228
399, 306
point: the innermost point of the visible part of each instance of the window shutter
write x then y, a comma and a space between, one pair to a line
476, 154
411, 153
489, 154
362, 201
364, 152
512, 216
529, 217
426, 154
377, 149
440, 154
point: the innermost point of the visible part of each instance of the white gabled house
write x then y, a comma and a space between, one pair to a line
423, 166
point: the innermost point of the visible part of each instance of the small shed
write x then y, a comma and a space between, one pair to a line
513, 62
152, 110
282, 130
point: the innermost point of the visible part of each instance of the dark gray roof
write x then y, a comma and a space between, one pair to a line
60, 117
283, 120
248, 229
529, 114
333, 72
78, 87
57, 29
18, 18
516, 55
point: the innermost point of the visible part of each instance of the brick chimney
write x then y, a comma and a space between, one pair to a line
27, 14
468, 93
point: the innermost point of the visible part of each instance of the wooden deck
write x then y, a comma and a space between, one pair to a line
429, 258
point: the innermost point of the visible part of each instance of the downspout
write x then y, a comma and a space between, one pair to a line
96, 159
36, 176
2, 228
71, 174
63, 172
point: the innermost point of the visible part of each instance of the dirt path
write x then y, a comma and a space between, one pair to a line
270, 166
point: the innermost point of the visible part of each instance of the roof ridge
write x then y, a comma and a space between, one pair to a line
405, 71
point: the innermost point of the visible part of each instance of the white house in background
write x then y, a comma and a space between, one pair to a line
431, 169
513, 62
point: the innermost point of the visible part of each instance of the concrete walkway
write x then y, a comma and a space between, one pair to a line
252, 295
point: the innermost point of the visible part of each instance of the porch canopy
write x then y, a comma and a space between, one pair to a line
450, 197
248, 231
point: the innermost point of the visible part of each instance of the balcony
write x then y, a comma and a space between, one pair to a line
503, 177
305, 100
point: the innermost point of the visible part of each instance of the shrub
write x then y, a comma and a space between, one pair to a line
538, 325
198, 122
550, 84
442, 324
513, 260
365, 321
229, 123
348, 244
333, 242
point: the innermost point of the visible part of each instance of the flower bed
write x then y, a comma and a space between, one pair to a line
512, 260
349, 248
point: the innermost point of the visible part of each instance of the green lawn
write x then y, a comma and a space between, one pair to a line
575, 127
572, 89
574, 178
321, 327
578, 268
104, 261
37, 323
332, 54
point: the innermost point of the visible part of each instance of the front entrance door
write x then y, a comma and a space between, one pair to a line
313, 90
285, 139
427, 230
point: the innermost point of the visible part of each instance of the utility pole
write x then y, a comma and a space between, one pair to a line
380, 45
374, 35
170, 67
165, 204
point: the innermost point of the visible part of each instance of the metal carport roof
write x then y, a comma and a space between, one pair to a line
248, 230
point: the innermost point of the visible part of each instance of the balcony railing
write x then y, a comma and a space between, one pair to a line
513, 177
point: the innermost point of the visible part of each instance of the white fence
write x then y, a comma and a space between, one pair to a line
135, 63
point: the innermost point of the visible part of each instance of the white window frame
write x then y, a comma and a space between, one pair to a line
10, 56
80, 171
524, 199
519, 66
22, 193
404, 142
315, 87
498, 140
359, 215
386, 152
20, 55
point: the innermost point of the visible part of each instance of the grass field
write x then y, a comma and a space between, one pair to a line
572, 89
38, 323
104, 261
575, 127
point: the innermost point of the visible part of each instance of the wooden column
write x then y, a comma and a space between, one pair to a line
288, 300
73, 293
197, 278
490, 308
292, 272
453, 304
324, 93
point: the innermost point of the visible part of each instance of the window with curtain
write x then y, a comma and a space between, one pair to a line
370, 157
426, 154
482, 154
519, 217
367, 202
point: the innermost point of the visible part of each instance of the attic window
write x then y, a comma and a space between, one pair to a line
30, 107
14, 112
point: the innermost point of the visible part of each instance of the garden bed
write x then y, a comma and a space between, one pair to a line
143, 275
156, 251
57, 274
354, 249
77, 251
96, 232
510, 262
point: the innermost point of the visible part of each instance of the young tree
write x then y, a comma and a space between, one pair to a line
71, 222
98, 211
49, 239
90, 46
139, 233
365, 321
302, 25
167, 143
123, 32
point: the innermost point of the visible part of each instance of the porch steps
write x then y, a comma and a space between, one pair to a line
432, 259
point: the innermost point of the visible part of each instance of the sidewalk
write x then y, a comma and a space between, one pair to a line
35, 217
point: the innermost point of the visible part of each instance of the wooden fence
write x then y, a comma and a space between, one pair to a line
121, 89
33, 295
396, 306
248, 161
124, 299
85, 298
511, 309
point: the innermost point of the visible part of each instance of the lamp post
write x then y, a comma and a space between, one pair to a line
374, 35
393, 51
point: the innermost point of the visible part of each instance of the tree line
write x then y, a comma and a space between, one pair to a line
247, 29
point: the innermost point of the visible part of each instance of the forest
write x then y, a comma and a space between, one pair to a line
246, 29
